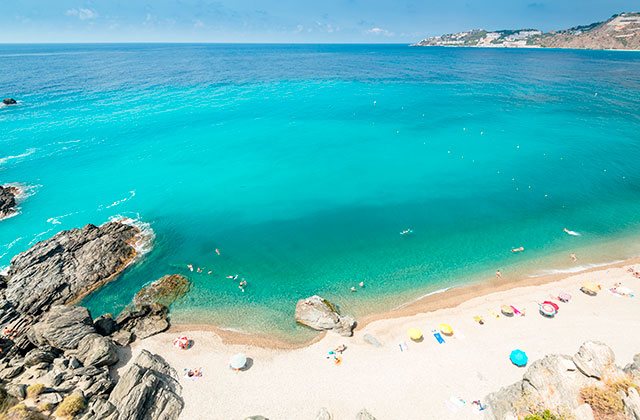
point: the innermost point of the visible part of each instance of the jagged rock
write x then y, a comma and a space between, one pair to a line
583, 412
63, 327
633, 369
122, 337
364, 415
9, 101
632, 404
105, 324
96, 350
49, 398
99, 408
595, 359
7, 200
319, 314
324, 414
18, 391
163, 291
68, 266
149, 389
37, 356
145, 321
11, 372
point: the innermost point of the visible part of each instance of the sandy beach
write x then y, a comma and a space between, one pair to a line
422, 381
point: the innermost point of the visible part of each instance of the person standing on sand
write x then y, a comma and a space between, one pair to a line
573, 257
498, 274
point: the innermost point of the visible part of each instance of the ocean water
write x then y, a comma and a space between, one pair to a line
302, 163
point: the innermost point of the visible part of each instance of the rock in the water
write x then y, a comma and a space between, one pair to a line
68, 266
364, 415
96, 350
163, 291
149, 389
9, 101
7, 200
63, 327
145, 321
320, 314
595, 359
105, 324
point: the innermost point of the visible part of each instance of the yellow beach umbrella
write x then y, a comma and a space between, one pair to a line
507, 310
590, 288
415, 334
446, 329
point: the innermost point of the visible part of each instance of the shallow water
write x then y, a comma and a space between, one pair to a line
303, 163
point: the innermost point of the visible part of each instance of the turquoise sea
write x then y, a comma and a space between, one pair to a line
303, 163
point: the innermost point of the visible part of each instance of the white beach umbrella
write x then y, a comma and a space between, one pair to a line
238, 361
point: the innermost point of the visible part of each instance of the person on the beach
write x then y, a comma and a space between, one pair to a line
498, 274
573, 257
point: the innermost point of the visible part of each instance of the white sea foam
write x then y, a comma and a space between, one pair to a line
144, 240
24, 191
56, 220
10, 245
26, 153
37, 237
575, 269
435, 292
117, 203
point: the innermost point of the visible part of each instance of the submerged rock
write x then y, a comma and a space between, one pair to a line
321, 315
8, 203
68, 266
9, 101
149, 389
163, 291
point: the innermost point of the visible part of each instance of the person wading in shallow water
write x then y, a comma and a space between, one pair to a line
498, 274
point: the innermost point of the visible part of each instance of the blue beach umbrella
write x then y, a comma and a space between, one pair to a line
519, 358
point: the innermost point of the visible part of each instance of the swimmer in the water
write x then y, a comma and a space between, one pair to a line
520, 249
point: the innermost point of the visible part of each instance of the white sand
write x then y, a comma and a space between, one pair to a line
415, 384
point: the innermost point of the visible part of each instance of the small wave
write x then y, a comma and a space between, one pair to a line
26, 153
4, 271
435, 292
575, 269
68, 142
117, 203
56, 219
144, 240
10, 245
38, 236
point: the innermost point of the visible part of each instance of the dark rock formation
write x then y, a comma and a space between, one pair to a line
105, 324
9, 101
68, 266
7, 200
163, 291
319, 314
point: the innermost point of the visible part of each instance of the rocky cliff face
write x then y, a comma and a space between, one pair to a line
586, 385
619, 32
57, 349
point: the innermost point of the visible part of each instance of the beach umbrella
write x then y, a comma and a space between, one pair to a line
590, 288
446, 329
415, 334
624, 291
555, 306
507, 310
238, 361
519, 358
546, 309
181, 342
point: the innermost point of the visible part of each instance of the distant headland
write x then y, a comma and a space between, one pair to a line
620, 32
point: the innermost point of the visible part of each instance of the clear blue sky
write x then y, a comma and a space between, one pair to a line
285, 20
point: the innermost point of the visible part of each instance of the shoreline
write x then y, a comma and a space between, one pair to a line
447, 298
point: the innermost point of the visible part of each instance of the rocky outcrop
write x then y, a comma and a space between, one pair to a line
556, 382
163, 291
68, 266
8, 202
145, 321
319, 314
149, 389
9, 101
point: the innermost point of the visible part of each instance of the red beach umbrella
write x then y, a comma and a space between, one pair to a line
548, 302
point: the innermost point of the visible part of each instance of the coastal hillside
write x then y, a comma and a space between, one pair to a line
620, 32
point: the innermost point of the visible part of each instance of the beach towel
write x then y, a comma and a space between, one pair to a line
438, 337
455, 403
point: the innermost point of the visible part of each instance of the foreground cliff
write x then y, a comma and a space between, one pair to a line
620, 32
56, 359
587, 385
